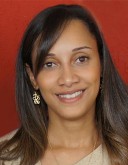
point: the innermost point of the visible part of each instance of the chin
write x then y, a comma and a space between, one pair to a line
74, 116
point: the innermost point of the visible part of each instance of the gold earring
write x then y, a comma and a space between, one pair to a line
36, 98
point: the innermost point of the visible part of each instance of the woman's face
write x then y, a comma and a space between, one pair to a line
70, 77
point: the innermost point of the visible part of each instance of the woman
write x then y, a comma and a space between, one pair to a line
72, 103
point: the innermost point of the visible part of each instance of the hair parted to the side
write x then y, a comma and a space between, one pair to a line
30, 141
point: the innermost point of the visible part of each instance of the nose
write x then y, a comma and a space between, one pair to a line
68, 77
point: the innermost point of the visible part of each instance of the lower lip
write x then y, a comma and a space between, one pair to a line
71, 100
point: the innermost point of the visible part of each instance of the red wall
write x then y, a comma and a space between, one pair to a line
14, 16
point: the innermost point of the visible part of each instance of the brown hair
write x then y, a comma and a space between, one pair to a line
30, 141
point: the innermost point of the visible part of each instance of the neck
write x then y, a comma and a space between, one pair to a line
63, 133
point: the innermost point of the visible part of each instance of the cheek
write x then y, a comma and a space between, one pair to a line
91, 75
96, 79
95, 73
93, 79
45, 81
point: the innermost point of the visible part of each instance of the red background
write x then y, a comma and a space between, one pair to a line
112, 17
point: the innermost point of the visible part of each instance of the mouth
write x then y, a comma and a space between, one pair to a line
70, 97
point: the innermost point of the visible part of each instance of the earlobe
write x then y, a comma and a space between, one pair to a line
31, 76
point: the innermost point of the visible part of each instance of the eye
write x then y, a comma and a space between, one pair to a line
82, 59
49, 65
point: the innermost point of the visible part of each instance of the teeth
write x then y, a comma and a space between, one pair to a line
69, 96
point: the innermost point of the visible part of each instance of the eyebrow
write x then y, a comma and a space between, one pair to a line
79, 48
73, 50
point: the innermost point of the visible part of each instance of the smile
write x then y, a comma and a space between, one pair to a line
73, 95
70, 97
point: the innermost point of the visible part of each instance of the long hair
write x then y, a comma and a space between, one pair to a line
30, 141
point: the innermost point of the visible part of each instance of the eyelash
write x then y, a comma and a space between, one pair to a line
50, 65
46, 65
86, 58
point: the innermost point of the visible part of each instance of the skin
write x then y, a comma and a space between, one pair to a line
72, 65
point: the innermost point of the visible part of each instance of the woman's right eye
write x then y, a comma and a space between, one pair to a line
49, 65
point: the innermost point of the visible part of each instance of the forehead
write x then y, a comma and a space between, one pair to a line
75, 34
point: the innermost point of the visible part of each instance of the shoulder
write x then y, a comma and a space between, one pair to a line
100, 153
17, 162
8, 136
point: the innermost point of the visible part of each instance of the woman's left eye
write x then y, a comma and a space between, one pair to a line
82, 59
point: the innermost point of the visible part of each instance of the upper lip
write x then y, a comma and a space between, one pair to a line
69, 92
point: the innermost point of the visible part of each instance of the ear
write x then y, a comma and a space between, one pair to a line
31, 77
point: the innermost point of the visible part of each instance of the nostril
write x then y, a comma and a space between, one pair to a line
68, 77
